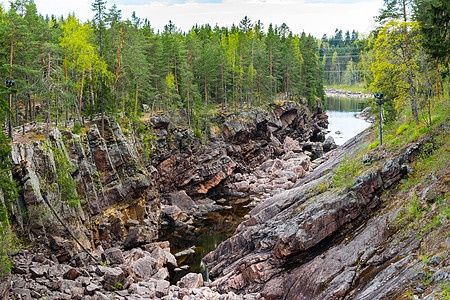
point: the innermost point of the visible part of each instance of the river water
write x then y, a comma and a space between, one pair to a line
343, 123
209, 231
206, 233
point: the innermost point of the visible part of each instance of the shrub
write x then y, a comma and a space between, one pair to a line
401, 129
373, 145
76, 128
67, 186
198, 133
346, 172
8, 194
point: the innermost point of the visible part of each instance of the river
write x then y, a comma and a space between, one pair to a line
343, 123
210, 230
206, 233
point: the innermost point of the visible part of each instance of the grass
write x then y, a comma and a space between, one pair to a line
347, 171
373, 145
427, 214
445, 294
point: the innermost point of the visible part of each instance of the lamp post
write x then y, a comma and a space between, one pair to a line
380, 102
9, 84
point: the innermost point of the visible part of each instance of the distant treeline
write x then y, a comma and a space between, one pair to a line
339, 56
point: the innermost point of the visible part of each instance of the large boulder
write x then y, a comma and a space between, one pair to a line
145, 267
113, 278
140, 235
183, 201
174, 214
114, 256
329, 144
191, 281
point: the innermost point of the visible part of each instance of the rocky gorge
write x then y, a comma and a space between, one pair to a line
316, 241
83, 194
91, 209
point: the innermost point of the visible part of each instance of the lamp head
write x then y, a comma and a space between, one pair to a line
10, 83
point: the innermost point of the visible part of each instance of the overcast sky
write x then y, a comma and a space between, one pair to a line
316, 17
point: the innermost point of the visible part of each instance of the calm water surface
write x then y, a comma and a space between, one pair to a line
210, 230
343, 123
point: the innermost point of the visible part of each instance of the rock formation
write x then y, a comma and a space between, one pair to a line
140, 273
244, 141
312, 243
94, 185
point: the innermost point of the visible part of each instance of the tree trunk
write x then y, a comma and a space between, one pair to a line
414, 102
270, 72
80, 103
206, 94
221, 83
10, 77
136, 100
118, 58
176, 79
437, 78
188, 104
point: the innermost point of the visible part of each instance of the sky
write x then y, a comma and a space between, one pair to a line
316, 17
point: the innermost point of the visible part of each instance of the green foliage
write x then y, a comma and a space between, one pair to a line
110, 66
427, 279
346, 172
8, 244
401, 129
8, 194
147, 144
322, 187
373, 145
64, 170
198, 133
445, 211
414, 211
398, 66
339, 59
445, 294
435, 21
76, 128
117, 287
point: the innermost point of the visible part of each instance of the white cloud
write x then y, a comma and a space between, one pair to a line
315, 17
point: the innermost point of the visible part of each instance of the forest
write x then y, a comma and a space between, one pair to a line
64, 69
339, 56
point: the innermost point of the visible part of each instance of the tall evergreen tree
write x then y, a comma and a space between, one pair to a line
99, 25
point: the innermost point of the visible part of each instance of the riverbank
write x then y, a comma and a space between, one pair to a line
347, 94
366, 224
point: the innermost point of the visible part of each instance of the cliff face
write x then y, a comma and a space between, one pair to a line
241, 142
94, 185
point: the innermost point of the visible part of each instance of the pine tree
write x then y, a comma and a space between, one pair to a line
99, 26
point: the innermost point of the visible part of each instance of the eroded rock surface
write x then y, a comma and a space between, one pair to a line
93, 185
294, 245
94, 192
244, 141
